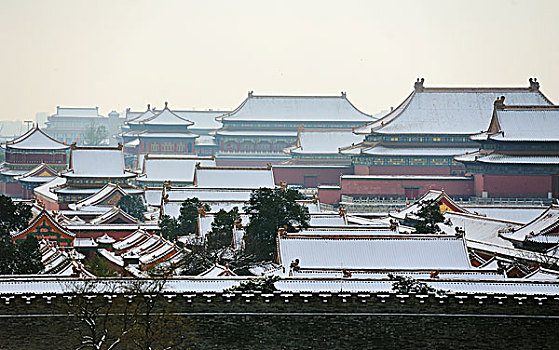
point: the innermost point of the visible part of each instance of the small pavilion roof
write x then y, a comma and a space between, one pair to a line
101, 197
444, 110
445, 202
166, 117
36, 139
40, 173
297, 109
140, 117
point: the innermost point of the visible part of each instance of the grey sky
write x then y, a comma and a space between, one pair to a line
208, 54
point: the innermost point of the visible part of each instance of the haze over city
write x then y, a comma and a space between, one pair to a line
208, 54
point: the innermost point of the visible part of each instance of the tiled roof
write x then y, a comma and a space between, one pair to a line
297, 108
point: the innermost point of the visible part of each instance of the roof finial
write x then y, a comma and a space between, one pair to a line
534, 85
166, 103
148, 107
499, 102
250, 93
418, 86
344, 94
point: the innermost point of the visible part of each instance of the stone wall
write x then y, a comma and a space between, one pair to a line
296, 321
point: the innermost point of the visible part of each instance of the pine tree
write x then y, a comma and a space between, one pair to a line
132, 205
29, 257
188, 218
430, 216
268, 210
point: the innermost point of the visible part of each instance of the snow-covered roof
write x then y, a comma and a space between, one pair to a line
444, 110
327, 220
99, 195
406, 252
45, 190
97, 162
40, 174
525, 123
545, 226
297, 109
543, 274
498, 158
324, 141
166, 117
480, 229
175, 169
217, 271
138, 117
36, 139
202, 119
87, 112
131, 240
221, 177
43, 285
518, 214
445, 202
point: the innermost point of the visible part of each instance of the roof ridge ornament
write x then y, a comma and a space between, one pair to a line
166, 105
418, 86
499, 102
250, 93
344, 94
534, 85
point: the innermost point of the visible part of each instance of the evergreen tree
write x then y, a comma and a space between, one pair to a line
29, 257
24, 258
430, 216
8, 255
188, 218
13, 217
169, 227
221, 235
132, 205
268, 210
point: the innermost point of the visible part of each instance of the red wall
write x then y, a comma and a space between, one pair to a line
396, 187
329, 196
514, 185
295, 175
13, 189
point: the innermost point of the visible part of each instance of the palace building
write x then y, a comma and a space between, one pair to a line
257, 132
31, 160
69, 124
315, 158
519, 155
90, 169
169, 132
432, 126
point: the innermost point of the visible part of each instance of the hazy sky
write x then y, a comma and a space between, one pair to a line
208, 54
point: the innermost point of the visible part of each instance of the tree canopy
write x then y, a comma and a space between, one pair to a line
187, 221
24, 257
95, 135
268, 210
430, 216
132, 205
